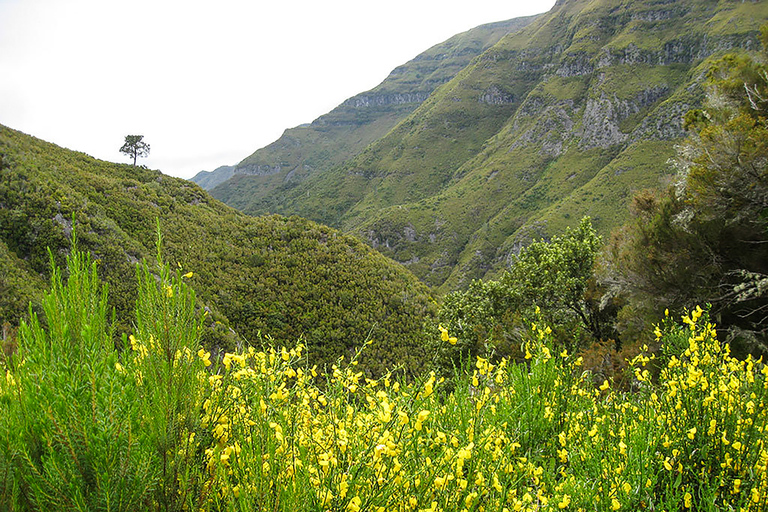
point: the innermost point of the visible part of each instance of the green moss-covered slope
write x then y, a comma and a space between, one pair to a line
563, 118
286, 277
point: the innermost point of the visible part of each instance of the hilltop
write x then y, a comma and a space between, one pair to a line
289, 278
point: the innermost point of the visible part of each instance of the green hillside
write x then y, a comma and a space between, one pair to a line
285, 277
264, 178
564, 118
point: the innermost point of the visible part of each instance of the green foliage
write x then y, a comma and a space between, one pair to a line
91, 426
550, 279
135, 147
284, 277
88, 427
68, 428
165, 366
706, 239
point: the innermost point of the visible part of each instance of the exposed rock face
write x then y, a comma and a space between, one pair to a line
600, 123
495, 96
258, 170
380, 100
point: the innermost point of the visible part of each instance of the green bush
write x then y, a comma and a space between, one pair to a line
87, 425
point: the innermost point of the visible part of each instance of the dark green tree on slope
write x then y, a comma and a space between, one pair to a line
135, 147
705, 240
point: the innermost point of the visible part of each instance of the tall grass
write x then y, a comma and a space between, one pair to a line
161, 424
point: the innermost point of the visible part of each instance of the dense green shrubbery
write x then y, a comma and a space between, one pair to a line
549, 279
161, 424
705, 239
288, 278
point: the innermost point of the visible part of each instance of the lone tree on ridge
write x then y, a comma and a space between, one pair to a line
135, 147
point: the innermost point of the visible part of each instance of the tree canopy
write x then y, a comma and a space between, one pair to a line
548, 280
705, 240
135, 147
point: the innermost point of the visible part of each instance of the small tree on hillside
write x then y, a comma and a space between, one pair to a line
705, 240
135, 147
548, 280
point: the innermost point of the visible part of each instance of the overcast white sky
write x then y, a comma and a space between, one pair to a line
207, 83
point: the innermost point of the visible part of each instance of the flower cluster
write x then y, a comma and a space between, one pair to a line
507, 437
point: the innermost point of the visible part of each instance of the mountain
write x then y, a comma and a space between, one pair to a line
566, 117
346, 130
209, 179
288, 278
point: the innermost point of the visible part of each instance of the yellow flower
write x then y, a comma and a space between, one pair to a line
687, 500
188, 275
615, 505
604, 385
421, 418
354, 504
692, 433
428, 385
496, 483
564, 502
205, 356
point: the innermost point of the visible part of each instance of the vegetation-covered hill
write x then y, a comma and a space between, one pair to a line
261, 179
564, 118
285, 277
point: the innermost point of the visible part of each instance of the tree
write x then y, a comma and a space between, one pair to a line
135, 147
551, 281
706, 239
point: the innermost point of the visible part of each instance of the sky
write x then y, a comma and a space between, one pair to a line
207, 83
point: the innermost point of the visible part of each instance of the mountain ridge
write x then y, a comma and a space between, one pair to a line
209, 179
356, 122
563, 118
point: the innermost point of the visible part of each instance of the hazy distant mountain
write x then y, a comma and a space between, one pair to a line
209, 179
562, 118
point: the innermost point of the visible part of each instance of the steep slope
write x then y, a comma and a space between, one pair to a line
285, 277
561, 119
262, 179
